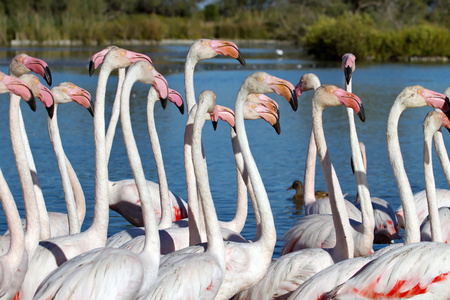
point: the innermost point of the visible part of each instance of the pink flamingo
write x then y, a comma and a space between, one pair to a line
286, 274
196, 275
176, 238
123, 195
110, 272
246, 263
305, 233
386, 225
52, 253
23, 64
438, 231
393, 274
14, 260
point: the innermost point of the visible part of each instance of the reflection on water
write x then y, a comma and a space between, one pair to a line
280, 158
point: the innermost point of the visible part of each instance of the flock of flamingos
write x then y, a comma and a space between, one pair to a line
180, 251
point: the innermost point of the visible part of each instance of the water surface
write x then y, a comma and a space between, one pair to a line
280, 158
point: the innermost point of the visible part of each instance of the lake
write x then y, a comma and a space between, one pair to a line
280, 158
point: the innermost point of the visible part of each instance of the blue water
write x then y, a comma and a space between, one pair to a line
280, 158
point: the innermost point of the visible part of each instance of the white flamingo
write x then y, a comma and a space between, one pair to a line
52, 253
305, 233
286, 274
196, 275
110, 272
123, 194
386, 225
415, 269
24, 64
439, 231
246, 263
181, 236
14, 260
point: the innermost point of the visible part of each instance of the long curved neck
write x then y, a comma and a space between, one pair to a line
31, 209
111, 131
55, 139
17, 245
99, 226
310, 172
441, 152
238, 222
430, 187
344, 241
412, 232
214, 237
367, 216
152, 243
189, 90
166, 209
196, 224
310, 165
77, 190
43, 214
267, 239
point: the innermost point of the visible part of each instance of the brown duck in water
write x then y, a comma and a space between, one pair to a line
298, 186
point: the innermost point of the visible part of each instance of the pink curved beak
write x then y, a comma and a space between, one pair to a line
38, 66
20, 88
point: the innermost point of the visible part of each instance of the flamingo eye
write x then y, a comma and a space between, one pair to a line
150, 67
419, 92
207, 43
64, 90
122, 53
331, 91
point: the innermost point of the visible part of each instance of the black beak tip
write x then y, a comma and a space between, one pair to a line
277, 127
163, 102
181, 108
91, 68
32, 103
91, 109
48, 75
361, 113
241, 59
348, 74
214, 123
50, 110
294, 101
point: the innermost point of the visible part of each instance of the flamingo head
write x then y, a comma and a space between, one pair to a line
17, 87
435, 100
308, 81
225, 114
161, 86
118, 57
41, 92
280, 87
348, 65
205, 48
23, 64
76, 94
265, 108
348, 99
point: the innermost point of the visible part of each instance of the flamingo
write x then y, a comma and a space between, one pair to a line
13, 264
246, 263
286, 274
110, 272
308, 82
177, 238
52, 253
123, 195
442, 195
417, 268
437, 231
14, 260
196, 275
305, 233
67, 92
386, 225
24, 64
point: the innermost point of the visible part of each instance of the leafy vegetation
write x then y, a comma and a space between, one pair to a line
377, 30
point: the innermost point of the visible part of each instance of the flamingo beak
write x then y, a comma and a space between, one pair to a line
348, 74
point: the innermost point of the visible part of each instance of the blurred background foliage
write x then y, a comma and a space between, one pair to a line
372, 30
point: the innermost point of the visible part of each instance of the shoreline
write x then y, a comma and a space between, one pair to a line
70, 43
